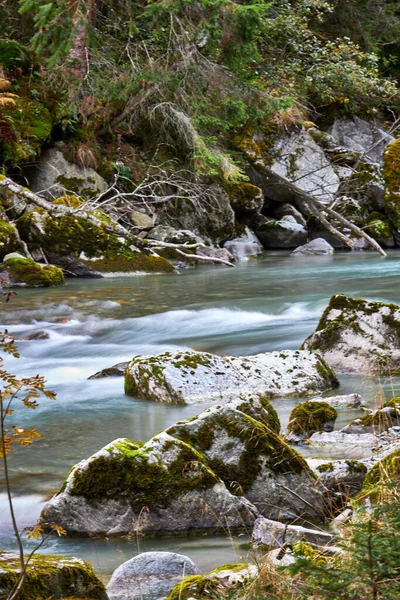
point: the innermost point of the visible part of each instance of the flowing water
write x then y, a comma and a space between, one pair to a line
264, 304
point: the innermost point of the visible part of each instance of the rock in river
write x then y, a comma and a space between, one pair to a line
163, 487
149, 576
356, 335
189, 377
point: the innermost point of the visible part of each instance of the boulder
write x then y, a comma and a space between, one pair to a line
273, 534
22, 270
284, 210
140, 220
344, 441
356, 335
377, 421
392, 194
386, 470
55, 176
343, 477
244, 246
281, 234
166, 233
188, 377
309, 417
378, 227
365, 184
349, 400
9, 239
117, 370
211, 216
149, 576
317, 247
352, 209
72, 267
241, 444
361, 136
163, 487
49, 576
223, 582
246, 198
213, 252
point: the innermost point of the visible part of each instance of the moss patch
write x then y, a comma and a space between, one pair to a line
204, 587
26, 270
391, 173
8, 239
385, 471
309, 417
51, 577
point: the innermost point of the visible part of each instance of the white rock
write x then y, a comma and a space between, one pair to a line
273, 534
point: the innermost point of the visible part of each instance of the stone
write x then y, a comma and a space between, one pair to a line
283, 210
72, 267
50, 576
241, 443
343, 477
149, 576
379, 228
164, 487
385, 470
246, 198
343, 440
188, 377
317, 247
210, 216
273, 534
117, 370
55, 176
281, 234
166, 233
309, 417
22, 270
244, 246
220, 583
213, 252
349, 400
140, 220
356, 335
361, 136
37, 335
375, 422
9, 239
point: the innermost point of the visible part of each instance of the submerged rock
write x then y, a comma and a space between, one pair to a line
273, 534
117, 370
149, 576
50, 576
22, 270
316, 247
220, 583
356, 335
309, 417
241, 444
163, 487
189, 377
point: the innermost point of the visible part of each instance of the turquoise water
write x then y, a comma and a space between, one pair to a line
264, 304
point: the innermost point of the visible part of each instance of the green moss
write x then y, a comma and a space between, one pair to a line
381, 419
309, 417
127, 472
8, 239
68, 200
204, 587
272, 420
136, 262
245, 196
386, 470
26, 270
393, 403
378, 227
355, 466
391, 173
51, 577
326, 468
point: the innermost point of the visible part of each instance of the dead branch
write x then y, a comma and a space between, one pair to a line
199, 258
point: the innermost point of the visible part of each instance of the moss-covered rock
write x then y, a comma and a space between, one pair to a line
386, 470
379, 229
51, 577
352, 210
391, 173
33, 274
9, 241
253, 460
189, 377
246, 198
309, 417
164, 487
377, 421
219, 583
344, 478
356, 335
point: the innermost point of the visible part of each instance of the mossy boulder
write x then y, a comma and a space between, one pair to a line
253, 460
9, 241
377, 421
379, 229
26, 271
281, 234
356, 335
352, 210
222, 582
164, 487
188, 377
344, 478
391, 172
308, 417
386, 470
51, 577
246, 198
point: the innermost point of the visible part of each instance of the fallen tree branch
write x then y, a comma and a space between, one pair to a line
198, 258
156, 244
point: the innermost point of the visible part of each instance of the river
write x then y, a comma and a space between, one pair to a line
265, 304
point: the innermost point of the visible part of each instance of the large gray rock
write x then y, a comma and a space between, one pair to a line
149, 576
56, 176
349, 400
356, 335
273, 534
317, 247
244, 246
166, 233
163, 487
241, 444
344, 477
284, 210
361, 136
211, 217
281, 234
140, 220
189, 377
